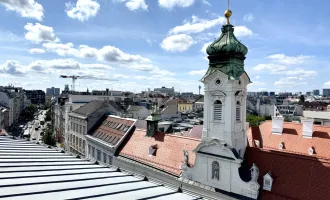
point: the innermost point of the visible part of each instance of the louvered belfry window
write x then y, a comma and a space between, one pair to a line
217, 110
238, 111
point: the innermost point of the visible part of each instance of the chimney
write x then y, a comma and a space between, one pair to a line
307, 130
277, 125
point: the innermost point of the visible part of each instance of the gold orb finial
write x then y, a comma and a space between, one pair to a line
228, 13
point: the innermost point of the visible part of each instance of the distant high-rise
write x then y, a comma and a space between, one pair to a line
53, 91
308, 93
316, 92
326, 92
271, 93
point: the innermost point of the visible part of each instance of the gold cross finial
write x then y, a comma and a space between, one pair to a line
228, 13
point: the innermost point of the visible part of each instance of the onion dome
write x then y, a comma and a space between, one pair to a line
227, 42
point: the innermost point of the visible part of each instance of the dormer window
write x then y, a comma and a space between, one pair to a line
217, 110
152, 150
238, 111
268, 182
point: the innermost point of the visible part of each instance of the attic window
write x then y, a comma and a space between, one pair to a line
281, 146
152, 150
217, 110
118, 127
268, 182
310, 151
126, 128
238, 111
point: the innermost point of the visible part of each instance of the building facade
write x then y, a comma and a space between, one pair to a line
326, 92
164, 90
316, 92
53, 91
12, 98
36, 97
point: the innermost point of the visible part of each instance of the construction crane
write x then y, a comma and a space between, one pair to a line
74, 78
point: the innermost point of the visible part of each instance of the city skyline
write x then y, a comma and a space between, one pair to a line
149, 44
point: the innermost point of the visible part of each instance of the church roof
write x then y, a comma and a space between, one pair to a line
31, 171
296, 174
226, 43
169, 155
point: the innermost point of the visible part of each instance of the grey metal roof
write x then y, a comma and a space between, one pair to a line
31, 171
89, 107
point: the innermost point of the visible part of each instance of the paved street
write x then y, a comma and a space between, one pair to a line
36, 134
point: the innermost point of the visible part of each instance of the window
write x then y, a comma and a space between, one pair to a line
74, 140
79, 142
118, 127
93, 152
84, 130
98, 155
76, 127
73, 127
217, 110
89, 150
80, 129
238, 111
104, 158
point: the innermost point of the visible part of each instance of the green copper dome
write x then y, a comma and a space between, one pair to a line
226, 43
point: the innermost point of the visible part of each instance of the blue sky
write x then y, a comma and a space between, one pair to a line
153, 43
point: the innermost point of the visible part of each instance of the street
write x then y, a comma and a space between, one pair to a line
35, 134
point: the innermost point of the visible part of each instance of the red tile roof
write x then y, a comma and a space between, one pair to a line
169, 154
295, 176
110, 130
293, 140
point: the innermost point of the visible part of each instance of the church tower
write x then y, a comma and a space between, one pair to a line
223, 144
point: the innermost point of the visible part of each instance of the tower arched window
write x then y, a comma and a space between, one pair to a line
238, 111
217, 112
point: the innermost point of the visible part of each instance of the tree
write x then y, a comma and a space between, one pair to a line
48, 115
302, 98
287, 119
28, 112
49, 138
254, 120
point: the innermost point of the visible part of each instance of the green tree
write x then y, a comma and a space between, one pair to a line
254, 120
28, 112
287, 119
48, 137
48, 115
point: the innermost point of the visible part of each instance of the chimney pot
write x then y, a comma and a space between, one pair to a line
307, 129
277, 125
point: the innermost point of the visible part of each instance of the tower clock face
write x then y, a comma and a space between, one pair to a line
217, 81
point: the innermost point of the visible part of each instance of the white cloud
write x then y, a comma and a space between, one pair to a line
206, 2
241, 31
161, 72
136, 4
12, 67
62, 65
302, 73
26, 8
113, 54
257, 77
83, 10
290, 82
196, 25
203, 50
140, 67
170, 4
249, 17
197, 72
327, 84
121, 76
273, 68
36, 51
289, 60
177, 43
62, 49
39, 33
87, 52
